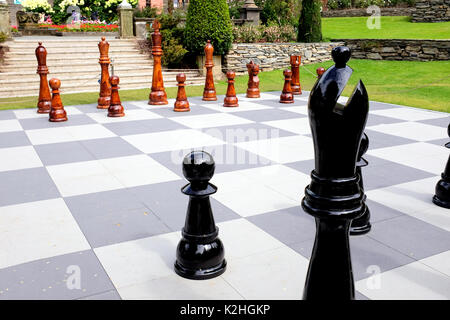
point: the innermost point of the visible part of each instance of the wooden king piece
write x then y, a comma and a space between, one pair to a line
158, 95
105, 86
44, 102
209, 93
295, 67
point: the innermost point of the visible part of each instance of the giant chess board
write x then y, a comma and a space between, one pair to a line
91, 208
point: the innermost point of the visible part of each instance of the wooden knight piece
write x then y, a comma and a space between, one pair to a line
158, 95
181, 103
253, 82
295, 68
286, 95
57, 112
105, 86
230, 99
209, 93
44, 102
115, 108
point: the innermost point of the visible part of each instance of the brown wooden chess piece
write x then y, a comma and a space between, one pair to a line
253, 83
105, 86
181, 103
209, 93
320, 71
295, 68
57, 112
115, 108
230, 99
286, 95
44, 102
158, 95
249, 70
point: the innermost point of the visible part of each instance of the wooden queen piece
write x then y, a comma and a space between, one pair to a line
44, 102
158, 95
105, 86
209, 93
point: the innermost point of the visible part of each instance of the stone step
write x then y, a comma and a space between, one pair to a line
75, 67
13, 64
72, 55
86, 68
67, 50
65, 44
50, 59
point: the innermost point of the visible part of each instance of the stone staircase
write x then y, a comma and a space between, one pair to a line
74, 61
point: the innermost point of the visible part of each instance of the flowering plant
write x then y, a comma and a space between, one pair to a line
85, 26
40, 6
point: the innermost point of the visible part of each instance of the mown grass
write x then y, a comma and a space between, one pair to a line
416, 84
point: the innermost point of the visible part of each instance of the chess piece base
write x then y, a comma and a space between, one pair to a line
104, 102
284, 101
116, 115
44, 107
251, 94
158, 98
58, 116
441, 203
361, 225
231, 105
209, 98
181, 109
442, 193
296, 90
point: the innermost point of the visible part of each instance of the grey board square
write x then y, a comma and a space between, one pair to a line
382, 140
379, 212
440, 142
47, 278
143, 126
289, 226
375, 105
195, 110
14, 139
411, 236
7, 115
374, 120
304, 166
65, 152
360, 296
269, 115
439, 122
246, 132
108, 295
170, 205
43, 123
109, 148
89, 108
26, 185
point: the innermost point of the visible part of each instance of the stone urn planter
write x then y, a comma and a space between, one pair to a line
27, 20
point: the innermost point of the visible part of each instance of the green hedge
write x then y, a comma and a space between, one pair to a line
310, 23
208, 20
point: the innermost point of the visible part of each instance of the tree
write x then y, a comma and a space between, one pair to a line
208, 20
310, 24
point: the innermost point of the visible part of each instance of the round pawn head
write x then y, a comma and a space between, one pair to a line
287, 73
40, 43
363, 146
103, 38
55, 84
341, 55
230, 74
320, 71
181, 77
114, 80
198, 167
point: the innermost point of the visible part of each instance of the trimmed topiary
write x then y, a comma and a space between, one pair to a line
310, 23
208, 20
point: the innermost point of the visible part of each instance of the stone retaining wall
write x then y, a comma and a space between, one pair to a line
272, 56
431, 11
362, 12
399, 49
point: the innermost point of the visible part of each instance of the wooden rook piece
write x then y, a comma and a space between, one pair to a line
334, 197
209, 93
57, 112
105, 86
200, 254
158, 95
181, 103
320, 71
286, 95
115, 108
253, 82
230, 99
442, 192
295, 68
44, 102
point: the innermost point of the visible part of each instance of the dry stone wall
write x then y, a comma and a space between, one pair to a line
431, 11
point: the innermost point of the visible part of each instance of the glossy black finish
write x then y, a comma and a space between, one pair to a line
442, 193
362, 224
200, 253
334, 196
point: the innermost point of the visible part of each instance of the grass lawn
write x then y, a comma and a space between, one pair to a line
391, 28
417, 84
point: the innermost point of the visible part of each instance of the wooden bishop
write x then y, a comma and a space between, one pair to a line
181, 103
295, 68
286, 95
230, 99
105, 86
57, 112
115, 108
209, 93
44, 102
158, 95
253, 82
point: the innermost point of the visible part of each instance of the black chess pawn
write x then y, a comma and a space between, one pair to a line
334, 197
442, 193
362, 224
200, 253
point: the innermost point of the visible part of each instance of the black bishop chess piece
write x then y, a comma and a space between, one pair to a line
334, 197
362, 224
442, 193
200, 253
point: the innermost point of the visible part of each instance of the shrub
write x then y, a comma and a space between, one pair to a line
208, 20
147, 12
282, 12
3, 37
273, 33
247, 33
310, 24
234, 6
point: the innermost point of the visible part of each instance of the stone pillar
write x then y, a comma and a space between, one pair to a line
250, 11
217, 69
125, 20
5, 22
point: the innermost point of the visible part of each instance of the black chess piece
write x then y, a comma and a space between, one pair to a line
362, 224
442, 193
334, 196
200, 253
